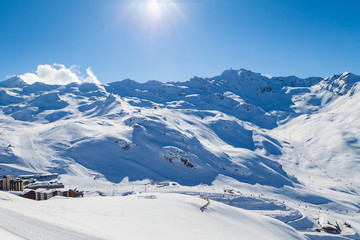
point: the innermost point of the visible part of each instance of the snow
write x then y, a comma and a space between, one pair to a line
144, 216
8, 235
287, 147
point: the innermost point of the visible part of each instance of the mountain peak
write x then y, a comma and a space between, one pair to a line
350, 75
241, 73
13, 82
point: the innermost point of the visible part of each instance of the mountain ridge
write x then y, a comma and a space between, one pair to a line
189, 132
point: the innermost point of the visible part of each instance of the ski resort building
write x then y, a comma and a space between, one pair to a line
8, 183
31, 189
39, 195
51, 185
75, 193
39, 176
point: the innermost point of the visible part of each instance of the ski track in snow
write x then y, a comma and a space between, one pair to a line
29, 228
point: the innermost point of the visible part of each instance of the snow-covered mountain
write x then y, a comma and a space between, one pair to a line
236, 124
291, 138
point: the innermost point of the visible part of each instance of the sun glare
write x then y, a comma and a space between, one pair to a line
154, 9
152, 15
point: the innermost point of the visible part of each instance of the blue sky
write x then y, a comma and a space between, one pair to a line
175, 40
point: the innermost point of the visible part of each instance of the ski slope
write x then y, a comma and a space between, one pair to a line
144, 216
295, 141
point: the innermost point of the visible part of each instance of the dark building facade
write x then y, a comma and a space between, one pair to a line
8, 183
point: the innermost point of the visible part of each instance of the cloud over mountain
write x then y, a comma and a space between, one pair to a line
58, 74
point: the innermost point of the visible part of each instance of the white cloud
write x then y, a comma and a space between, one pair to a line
91, 78
58, 74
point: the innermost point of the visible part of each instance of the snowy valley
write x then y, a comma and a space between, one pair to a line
273, 156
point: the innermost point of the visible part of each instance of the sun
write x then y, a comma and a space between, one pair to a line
154, 8
153, 15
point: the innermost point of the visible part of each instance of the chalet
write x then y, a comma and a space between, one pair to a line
29, 194
328, 223
39, 195
75, 193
